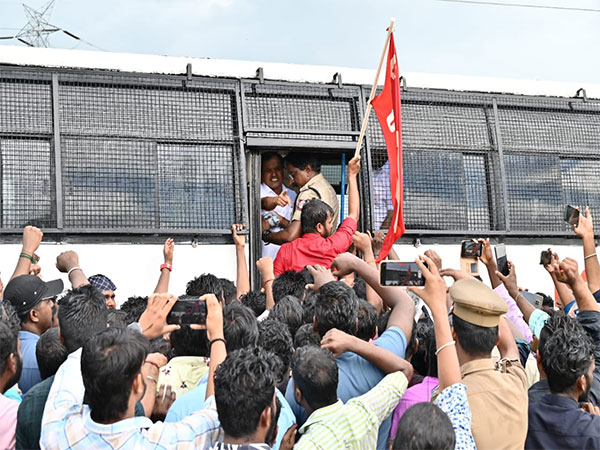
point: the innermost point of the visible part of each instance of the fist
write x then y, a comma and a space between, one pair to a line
265, 265
32, 238
66, 261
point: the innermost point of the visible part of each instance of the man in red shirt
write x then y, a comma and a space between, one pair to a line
317, 245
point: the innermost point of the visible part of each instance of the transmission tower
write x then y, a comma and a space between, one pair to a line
37, 29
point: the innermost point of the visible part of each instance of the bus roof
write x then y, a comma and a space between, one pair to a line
156, 64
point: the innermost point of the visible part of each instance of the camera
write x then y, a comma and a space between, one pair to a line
397, 273
188, 310
470, 249
571, 215
546, 257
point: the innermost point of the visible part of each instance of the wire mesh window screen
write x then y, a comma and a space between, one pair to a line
109, 183
28, 194
550, 130
274, 108
25, 105
445, 186
581, 186
164, 112
196, 186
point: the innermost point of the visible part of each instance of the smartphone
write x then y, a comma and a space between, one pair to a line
571, 215
535, 299
546, 257
501, 259
470, 249
470, 266
188, 310
397, 273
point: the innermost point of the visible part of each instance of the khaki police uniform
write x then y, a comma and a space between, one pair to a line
497, 390
317, 187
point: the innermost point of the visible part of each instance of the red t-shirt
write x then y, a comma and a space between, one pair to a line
312, 248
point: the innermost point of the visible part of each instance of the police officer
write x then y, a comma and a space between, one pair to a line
304, 171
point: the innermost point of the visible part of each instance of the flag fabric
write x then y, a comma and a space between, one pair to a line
388, 109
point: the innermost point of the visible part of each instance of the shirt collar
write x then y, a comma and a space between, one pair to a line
321, 414
122, 426
312, 181
223, 446
27, 335
560, 400
477, 365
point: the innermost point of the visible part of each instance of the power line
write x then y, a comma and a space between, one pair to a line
521, 5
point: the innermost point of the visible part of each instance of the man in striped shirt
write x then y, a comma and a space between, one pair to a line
331, 424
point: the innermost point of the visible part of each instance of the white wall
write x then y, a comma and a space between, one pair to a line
133, 268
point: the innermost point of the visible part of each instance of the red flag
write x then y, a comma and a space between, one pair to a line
387, 107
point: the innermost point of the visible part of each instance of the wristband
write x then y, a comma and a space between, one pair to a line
267, 281
152, 363
589, 256
166, 266
29, 257
215, 340
72, 269
444, 346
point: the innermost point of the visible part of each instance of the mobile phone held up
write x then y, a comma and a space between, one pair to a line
501, 259
546, 258
571, 215
535, 299
397, 273
470, 249
188, 310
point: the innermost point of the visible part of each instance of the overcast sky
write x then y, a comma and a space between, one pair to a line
431, 35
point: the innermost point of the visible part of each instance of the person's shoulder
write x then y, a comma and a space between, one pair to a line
41, 389
392, 339
8, 406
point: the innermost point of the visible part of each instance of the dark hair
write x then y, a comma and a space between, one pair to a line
546, 300
270, 155
314, 212
554, 322
412, 341
188, 342
424, 360
117, 318
82, 313
134, 307
336, 307
568, 354
205, 284
289, 283
424, 426
239, 326
8, 345
382, 322
110, 361
475, 340
315, 373
276, 339
229, 290
50, 353
367, 320
288, 311
244, 387
308, 307
162, 346
360, 287
256, 301
9, 316
301, 160
306, 336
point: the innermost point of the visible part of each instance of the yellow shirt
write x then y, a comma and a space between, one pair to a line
317, 187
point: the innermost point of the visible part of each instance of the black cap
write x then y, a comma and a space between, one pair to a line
26, 291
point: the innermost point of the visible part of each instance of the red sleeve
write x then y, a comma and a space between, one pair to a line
279, 263
341, 240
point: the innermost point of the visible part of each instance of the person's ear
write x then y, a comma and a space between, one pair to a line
60, 337
13, 363
265, 417
320, 228
581, 383
308, 169
34, 315
138, 387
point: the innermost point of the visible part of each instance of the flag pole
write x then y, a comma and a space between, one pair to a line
363, 129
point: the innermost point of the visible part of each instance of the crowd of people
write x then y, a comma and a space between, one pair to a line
322, 356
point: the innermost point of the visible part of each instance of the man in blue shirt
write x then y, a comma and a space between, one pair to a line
337, 308
559, 420
33, 300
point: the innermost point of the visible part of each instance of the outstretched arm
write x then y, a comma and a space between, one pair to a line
68, 262
568, 272
353, 194
585, 230
165, 272
265, 267
293, 231
214, 330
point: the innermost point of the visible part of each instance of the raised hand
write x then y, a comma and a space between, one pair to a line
585, 227
66, 261
214, 317
487, 256
344, 264
510, 280
354, 166
168, 249
434, 292
153, 320
362, 241
437, 259
337, 342
238, 239
568, 272
321, 276
32, 238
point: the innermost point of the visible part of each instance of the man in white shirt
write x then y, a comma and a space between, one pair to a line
277, 201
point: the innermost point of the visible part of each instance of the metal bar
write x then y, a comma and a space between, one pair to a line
255, 217
321, 86
479, 233
501, 166
1, 184
57, 153
303, 131
104, 231
17, 135
158, 140
252, 141
156, 185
